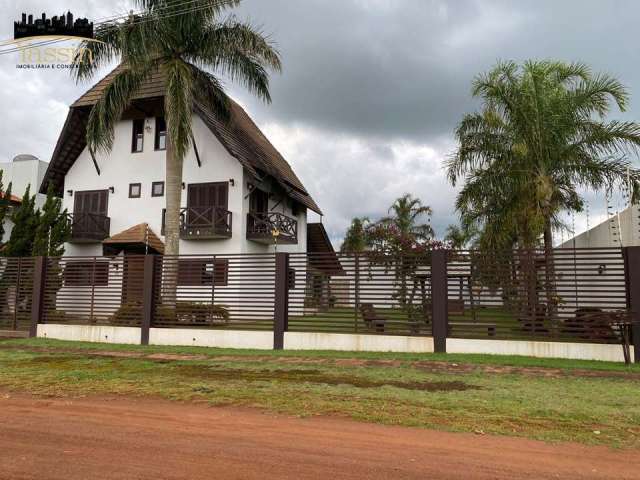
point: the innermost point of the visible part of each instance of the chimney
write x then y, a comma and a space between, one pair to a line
30, 19
24, 18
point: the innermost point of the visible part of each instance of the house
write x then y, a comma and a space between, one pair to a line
239, 196
22, 171
237, 188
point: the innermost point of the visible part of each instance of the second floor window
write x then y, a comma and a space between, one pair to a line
161, 134
137, 140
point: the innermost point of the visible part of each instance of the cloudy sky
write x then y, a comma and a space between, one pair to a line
371, 89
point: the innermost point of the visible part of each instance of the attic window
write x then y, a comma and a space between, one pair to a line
161, 134
137, 139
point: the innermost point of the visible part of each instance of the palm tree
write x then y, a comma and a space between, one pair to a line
406, 213
186, 44
541, 134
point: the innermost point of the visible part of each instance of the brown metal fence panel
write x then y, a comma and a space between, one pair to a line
360, 293
215, 291
93, 290
16, 292
575, 295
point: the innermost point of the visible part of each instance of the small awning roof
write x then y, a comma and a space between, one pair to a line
137, 236
12, 199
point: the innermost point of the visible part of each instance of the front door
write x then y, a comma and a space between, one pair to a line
90, 210
206, 203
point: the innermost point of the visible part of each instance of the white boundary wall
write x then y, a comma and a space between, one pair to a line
574, 351
211, 338
90, 333
329, 341
357, 342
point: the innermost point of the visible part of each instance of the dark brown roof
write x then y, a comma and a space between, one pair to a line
139, 234
322, 256
240, 136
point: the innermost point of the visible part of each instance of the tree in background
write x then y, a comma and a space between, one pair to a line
5, 202
25, 220
355, 240
54, 227
402, 242
541, 135
459, 237
182, 43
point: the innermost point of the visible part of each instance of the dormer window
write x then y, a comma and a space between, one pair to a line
161, 134
137, 140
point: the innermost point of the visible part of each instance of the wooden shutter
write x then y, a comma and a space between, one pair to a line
201, 197
91, 201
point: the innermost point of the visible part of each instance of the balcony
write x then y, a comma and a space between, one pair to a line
262, 226
89, 227
202, 223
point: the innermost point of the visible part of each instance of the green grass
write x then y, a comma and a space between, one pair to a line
556, 400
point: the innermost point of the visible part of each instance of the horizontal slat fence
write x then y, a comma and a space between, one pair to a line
360, 293
214, 291
574, 295
567, 295
93, 290
16, 291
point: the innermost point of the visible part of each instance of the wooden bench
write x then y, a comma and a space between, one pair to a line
371, 318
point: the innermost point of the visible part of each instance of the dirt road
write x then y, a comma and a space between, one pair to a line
124, 438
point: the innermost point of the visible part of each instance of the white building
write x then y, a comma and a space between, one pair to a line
237, 190
620, 230
236, 186
22, 171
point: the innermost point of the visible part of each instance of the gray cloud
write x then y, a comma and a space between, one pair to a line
371, 89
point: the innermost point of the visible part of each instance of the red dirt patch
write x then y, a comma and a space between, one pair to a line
125, 438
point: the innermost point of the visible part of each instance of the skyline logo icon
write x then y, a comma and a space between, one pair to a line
63, 25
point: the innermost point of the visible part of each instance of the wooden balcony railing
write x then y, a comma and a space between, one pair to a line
89, 227
202, 223
261, 227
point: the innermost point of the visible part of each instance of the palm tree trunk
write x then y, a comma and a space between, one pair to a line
550, 288
173, 196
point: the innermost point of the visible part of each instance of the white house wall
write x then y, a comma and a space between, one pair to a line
122, 167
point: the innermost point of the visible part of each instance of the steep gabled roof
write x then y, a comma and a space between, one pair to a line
240, 136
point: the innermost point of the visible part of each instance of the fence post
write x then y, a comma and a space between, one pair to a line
632, 280
37, 299
281, 307
148, 297
439, 313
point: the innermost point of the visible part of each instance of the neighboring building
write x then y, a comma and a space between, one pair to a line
237, 188
23, 170
620, 230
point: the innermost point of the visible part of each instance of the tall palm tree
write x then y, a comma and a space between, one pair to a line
406, 214
187, 41
542, 133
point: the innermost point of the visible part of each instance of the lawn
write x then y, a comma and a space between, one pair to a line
555, 400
